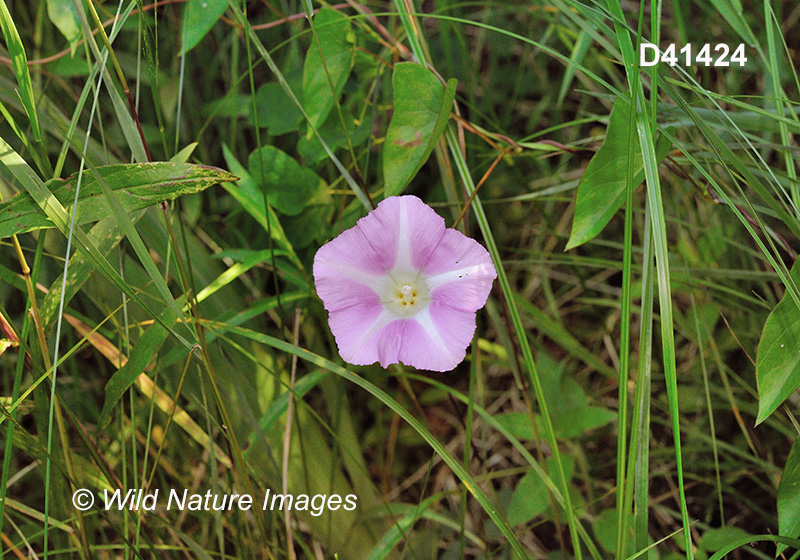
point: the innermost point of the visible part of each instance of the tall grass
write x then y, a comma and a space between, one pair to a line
174, 341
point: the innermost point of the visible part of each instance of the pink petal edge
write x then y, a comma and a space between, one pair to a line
460, 272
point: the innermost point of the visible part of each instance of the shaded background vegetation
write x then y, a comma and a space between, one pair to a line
536, 85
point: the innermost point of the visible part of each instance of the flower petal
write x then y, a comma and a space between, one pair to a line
419, 230
437, 337
341, 283
339, 290
403, 241
352, 254
434, 339
354, 329
460, 272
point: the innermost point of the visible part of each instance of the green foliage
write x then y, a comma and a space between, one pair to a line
19, 61
62, 14
421, 111
607, 407
149, 343
198, 19
287, 185
732, 11
789, 496
274, 110
136, 186
328, 63
778, 359
569, 406
715, 539
601, 191
530, 498
254, 202
335, 138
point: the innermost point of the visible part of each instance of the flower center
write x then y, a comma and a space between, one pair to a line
407, 296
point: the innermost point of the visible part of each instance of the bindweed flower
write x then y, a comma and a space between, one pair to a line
400, 287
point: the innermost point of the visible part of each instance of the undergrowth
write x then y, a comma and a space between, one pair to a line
625, 394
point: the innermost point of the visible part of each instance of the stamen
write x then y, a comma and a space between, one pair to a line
408, 294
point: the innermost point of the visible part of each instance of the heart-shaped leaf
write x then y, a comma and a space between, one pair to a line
289, 185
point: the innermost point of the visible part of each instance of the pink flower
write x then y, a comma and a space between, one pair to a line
400, 287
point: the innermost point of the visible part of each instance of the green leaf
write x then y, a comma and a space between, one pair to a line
276, 110
601, 191
185, 153
778, 358
136, 186
605, 529
252, 201
530, 498
789, 496
288, 185
62, 14
49, 204
337, 43
714, 539
331, 132
518, 424
731, 10
575, 422
572, 415
19, 61
249, 260
305, 228
142, 353
358, 191
421, 111
579, 50
234, 104
562, 336
106, 234
198, 19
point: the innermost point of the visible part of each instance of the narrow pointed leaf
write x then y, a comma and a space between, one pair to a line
136, 186
778, 358
19, 62
62, 14
789, 496
601, 191
144, 351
